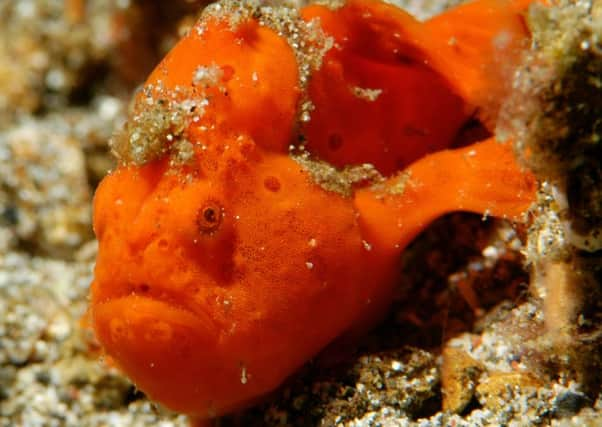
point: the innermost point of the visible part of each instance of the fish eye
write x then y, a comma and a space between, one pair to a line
209, 217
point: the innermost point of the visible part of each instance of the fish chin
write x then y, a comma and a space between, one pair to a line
157, 345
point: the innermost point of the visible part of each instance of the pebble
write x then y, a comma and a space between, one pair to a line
459, 377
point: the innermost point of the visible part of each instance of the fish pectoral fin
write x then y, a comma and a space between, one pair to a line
484, 178
477, 45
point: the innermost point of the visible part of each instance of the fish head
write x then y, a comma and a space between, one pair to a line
209, 276
182, 297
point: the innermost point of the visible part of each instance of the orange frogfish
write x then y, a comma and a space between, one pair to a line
273, 167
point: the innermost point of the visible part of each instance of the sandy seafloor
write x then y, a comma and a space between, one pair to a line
67, 72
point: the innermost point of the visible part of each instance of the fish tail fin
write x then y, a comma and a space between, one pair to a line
483, 178
477, 45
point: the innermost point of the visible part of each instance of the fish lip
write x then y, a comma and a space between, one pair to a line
168, 299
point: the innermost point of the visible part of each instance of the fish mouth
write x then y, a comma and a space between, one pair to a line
142, 332
159, 346
144, 317
173, 356
136, 293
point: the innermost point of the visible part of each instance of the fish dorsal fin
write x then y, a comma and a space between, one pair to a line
482, 178
477, 46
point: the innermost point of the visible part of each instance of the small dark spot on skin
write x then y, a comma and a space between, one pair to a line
209, 217
228, 73
335, 141
411, 130
271, 183
404, 59
163, 244
144, 288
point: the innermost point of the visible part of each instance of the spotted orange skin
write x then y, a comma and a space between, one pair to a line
217, 280
198, 309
